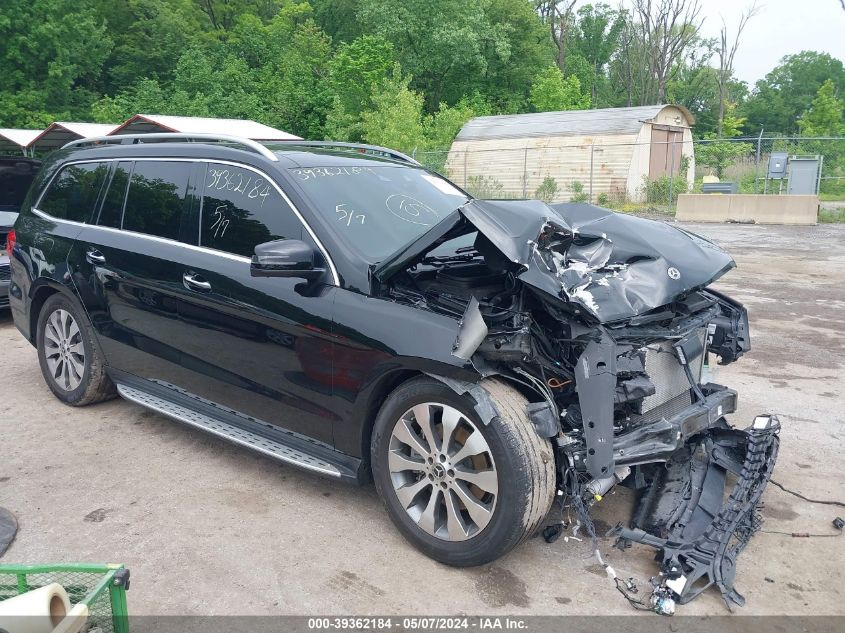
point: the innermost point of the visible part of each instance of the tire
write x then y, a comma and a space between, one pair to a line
507, 507
70, 358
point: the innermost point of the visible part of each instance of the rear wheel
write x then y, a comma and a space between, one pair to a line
70, 358
462, 491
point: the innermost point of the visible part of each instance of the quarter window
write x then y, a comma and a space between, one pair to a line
241, 209
157, 198
73, 193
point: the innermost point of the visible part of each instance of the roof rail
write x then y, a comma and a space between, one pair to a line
390, 153
123, 139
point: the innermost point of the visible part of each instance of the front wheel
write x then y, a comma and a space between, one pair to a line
463, 492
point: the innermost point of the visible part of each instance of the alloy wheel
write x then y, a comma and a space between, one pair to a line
443, 472
63, 350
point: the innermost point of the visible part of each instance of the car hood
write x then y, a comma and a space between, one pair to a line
614, 266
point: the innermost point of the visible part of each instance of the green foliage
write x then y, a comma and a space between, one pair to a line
719, 153
396, 116
824, 117
779, 99
484, 187
551, 91
603, 199
577, 193
326, 68
51, 54
455, 47
547, 191
658, 191
597, 32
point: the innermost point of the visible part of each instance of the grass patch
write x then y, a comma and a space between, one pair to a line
832, 216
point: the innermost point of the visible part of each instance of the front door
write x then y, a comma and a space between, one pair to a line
667, 145
261, 346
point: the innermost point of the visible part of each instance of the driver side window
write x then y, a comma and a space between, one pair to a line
241, 209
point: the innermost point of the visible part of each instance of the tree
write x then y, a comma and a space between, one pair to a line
718, 152
596, 39
824, 117
355, 70
452, 48
552, 91
779, 99
727, 52
224, 14
51, 55
557, 14
396, 118
149, 37
665, 29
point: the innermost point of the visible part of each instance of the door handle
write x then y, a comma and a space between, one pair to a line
94, 256
192, 281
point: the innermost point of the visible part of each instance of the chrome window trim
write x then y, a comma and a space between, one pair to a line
155, 238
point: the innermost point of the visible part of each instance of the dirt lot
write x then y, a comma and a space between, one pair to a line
208, 528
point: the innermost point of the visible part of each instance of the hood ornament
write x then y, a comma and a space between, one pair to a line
674, 273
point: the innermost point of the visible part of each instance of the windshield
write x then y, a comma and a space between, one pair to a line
381, 208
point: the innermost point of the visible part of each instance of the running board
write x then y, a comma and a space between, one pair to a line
282, 446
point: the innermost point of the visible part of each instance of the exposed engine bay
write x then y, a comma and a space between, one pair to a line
607, 324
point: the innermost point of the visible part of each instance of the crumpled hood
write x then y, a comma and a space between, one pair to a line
615, 266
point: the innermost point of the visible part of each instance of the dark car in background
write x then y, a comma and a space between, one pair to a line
16, 176
347, 311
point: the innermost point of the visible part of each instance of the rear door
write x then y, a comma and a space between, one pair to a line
127, 264
258, 345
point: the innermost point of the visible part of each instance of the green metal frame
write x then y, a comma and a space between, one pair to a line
117, 592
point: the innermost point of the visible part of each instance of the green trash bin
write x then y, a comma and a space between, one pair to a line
101, 587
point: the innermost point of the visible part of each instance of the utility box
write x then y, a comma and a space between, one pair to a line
719, 187
777, 165
804, 172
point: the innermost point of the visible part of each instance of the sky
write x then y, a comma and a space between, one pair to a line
781, 27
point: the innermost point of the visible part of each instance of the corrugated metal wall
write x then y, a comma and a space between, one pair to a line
520, 165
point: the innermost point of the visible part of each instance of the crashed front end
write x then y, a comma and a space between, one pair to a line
607, 324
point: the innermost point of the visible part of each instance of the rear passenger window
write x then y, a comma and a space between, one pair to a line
111, 212
73, 193
157, 198
241, 209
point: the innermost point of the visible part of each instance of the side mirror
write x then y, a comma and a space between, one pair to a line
284, 258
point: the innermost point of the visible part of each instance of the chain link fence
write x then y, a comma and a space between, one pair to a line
632, 175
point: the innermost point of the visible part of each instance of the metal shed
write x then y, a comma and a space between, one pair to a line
151, 123
61, 132
610, 150
16, 141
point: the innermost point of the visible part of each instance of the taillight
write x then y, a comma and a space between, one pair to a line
10, 243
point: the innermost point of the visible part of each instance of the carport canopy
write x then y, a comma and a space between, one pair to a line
152, 123
61, 132
16, 140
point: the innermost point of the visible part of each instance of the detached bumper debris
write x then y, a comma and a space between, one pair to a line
683, 516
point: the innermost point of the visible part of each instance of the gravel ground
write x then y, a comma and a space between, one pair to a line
207, 528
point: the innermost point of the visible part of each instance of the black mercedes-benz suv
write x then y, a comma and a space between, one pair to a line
342, 309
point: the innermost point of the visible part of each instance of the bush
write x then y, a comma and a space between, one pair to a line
484, 187
657, 191
603, 200
547, 191
576, 192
